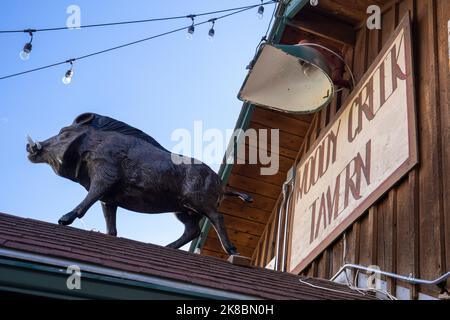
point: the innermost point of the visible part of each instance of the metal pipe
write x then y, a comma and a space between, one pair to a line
286, 225
280, 211
408, 279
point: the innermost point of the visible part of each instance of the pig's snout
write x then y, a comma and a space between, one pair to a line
33, 147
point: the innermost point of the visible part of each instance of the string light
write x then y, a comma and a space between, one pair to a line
69, 74
67, 79
108, 24
261, 11
191, 28
212, 32
25, 53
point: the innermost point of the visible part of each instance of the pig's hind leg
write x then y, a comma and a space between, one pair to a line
217, 221
191, 222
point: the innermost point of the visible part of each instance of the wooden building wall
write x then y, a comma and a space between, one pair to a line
408, 230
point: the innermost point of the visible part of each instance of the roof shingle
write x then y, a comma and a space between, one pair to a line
95, 248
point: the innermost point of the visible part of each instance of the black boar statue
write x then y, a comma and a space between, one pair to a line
122, 166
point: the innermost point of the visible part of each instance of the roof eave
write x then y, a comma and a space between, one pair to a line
29, 263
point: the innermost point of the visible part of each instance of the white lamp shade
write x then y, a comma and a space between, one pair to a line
289, 78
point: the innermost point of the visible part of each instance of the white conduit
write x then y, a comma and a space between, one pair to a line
283, 212
280, 216
408, 279
286, 225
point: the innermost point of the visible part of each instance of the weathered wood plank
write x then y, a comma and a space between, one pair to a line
254, 171
443, 18
213, 244
365, 255
360, 56
239, 238
325, 27
282, 151
429, 191
288, 140
282, 121
246, 226
210, 253
259, 202
407, 204
240, 210
352, 13
284, 163
373, 44
255, 186
337, 254
342, 96
389, 25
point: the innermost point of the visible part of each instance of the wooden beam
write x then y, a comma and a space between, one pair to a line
238, 238
243, 225
283, 121
255, 186
213, 244
259, 202
240, 210
325, 27
210, 253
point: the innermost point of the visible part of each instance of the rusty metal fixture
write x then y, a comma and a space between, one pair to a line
334, 60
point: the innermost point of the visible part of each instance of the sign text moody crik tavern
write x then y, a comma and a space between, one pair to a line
369, 146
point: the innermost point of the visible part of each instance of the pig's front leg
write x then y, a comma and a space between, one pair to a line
100, 185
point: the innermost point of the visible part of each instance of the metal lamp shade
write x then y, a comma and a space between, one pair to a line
289, 78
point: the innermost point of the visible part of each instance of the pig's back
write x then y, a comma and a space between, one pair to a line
154, 182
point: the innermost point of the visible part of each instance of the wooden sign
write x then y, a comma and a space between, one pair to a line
369, 146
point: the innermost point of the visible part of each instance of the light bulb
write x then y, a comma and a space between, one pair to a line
25, 53
211, 34
190, 33
261, 12
67, 79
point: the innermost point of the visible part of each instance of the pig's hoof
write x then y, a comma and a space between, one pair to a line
67, 219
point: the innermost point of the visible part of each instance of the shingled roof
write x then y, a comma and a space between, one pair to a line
89, 248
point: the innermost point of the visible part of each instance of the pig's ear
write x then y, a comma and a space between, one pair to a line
84, 118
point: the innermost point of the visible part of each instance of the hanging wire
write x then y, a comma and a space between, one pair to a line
271, 20
361, 291
141, 21
126, 44
329, 289
264, 39
31, 33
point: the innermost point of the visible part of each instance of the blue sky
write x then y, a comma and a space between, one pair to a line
158, 86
